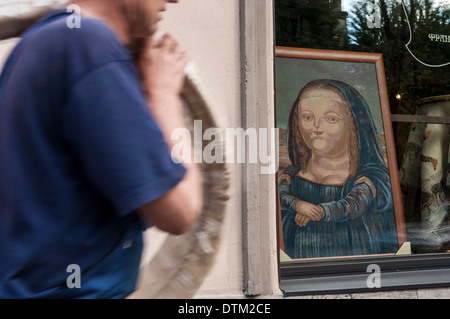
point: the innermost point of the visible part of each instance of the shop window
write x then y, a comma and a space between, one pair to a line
334, 231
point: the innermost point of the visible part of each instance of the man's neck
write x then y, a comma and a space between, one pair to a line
110, 14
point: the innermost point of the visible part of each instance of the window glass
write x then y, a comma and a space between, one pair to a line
414, 38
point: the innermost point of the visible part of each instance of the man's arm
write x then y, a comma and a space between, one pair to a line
163, 70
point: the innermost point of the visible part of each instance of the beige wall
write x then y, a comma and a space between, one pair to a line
209, 30
5, 48
231, 47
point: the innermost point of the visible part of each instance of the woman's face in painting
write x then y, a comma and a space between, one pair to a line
324, 123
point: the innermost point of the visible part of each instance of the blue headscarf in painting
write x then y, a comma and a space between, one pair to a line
369, 155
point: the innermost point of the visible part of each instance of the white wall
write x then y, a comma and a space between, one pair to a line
209, 30
5, 48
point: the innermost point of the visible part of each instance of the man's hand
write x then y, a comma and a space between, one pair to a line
162, 65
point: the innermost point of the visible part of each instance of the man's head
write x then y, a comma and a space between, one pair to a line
142, 16
132, 19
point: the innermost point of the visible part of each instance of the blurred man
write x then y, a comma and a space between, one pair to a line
85, 161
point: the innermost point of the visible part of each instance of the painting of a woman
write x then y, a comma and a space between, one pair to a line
336, 197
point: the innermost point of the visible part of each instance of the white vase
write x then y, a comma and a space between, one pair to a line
434, 163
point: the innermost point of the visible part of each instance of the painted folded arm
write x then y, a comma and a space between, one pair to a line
304, 211
287, 200
357, 202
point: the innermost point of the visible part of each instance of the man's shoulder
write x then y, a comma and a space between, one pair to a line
84, 44
60, 30
94, 37
92, 31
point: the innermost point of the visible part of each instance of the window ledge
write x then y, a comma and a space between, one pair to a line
351, 275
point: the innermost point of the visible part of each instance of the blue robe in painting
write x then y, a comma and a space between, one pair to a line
356, 221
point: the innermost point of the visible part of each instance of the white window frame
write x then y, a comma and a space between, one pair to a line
260, 245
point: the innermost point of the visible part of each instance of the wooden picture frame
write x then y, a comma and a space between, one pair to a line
349, 72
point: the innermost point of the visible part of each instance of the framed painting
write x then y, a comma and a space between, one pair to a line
338, 185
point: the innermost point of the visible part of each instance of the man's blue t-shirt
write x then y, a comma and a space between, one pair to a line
79, 153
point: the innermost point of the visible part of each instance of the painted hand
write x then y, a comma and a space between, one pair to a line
307, 212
